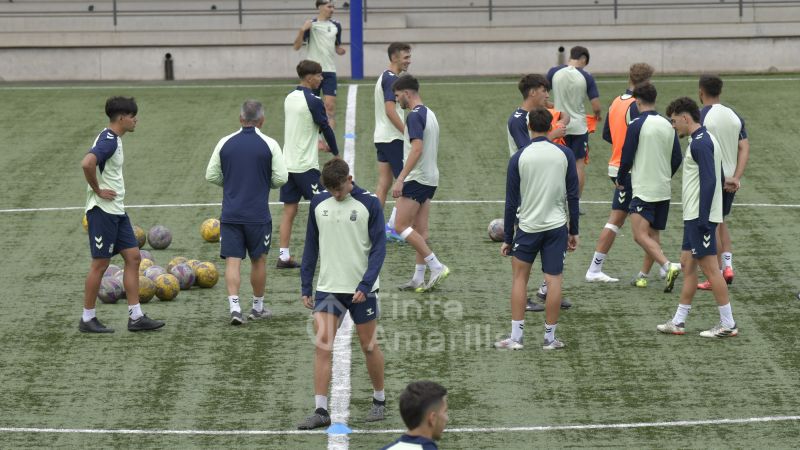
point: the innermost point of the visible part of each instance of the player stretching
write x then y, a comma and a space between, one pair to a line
416, 184
652, 155
346, 233
110, 230
304, 118
389, 127
539, 178
621, 112
702, 212
323, 36
725, 125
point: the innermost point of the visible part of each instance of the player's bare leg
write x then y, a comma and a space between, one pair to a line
330, 109
232, 275
97, 268
385, 178
130, 275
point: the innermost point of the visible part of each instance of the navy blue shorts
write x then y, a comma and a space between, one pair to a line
551, 243
578, 143
109, 233
727, 202
392, 153
622, 198
337, 304
235, 239
303, 184
654, 212
418, 192
698, 243
328, 85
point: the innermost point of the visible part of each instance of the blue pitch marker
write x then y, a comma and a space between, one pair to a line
350, 136
338, 428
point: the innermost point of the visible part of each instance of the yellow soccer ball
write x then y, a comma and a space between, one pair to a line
147, 289
174, 262
209, 230
206, 275
141, 237
85, 223
167, 287
144, 264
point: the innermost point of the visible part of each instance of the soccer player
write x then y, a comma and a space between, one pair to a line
539, 178
346, 233
304, 117
416, 183
571, 86
703, 180
246, 164
110, 230
323, 36
423, 407
725, 125
535, 90
621, 112
650, 157
389, 127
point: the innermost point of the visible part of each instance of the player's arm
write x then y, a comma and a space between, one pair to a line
518, 129
596, 108
339, 49
302, 35
97, 156
573, 198
416, 130
391, 113
214, 168
560, 130
742, 156
607, 128
704, 156
280, 175
513, 200
594, 95
310, 255
677, 156
377, 252
320, 117
628, 152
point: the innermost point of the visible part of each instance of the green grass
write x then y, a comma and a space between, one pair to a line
199, 373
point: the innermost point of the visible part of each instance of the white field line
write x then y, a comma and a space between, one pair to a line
342, 344
442, 202
462, 430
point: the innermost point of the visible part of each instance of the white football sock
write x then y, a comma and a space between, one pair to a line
135, 311
433, 263
379, 395
517, 328
726, 316
642, 275
321, 401
284, 254
419, 273
233, 302
258, 303
89, 314
597, 262
392, 217
549, 332
680, 314
665, 269
543, 288
727, 259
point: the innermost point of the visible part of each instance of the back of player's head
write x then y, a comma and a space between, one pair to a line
684, 105
120, 106
334, 173
640, 73
252, 111
711, 85
417, 399
397, 47
406, 82
646, 93
319, 3
540, 120
532, 81
308, 67
579, 52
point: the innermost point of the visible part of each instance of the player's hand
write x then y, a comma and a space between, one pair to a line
397, 188
557, 132
107, 194
598, 117
306, 25
572, 242
323, 146
308, 302
505, 249
732, 184
359, 297
340, 51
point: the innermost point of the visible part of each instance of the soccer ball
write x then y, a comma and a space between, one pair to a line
167, 287
147, 289
496, 232
174, 262
85, 223
111, 270
209, 230
159, 237
206, 274
144, 264
141, 238
144, 254
153, 272
184, 275
193, 263
110, 290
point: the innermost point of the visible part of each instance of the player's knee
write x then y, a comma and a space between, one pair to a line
407, 232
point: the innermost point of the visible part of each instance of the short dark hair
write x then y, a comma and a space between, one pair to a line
645, 92
308, 67
334, 173
711, 85
319, 3
540, 120
120, 106
684, 105
640, 73
578, 51
417, 399
406, 82
532, 81
397, 47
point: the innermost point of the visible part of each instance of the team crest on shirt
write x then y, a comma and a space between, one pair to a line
353, 215
324, 213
